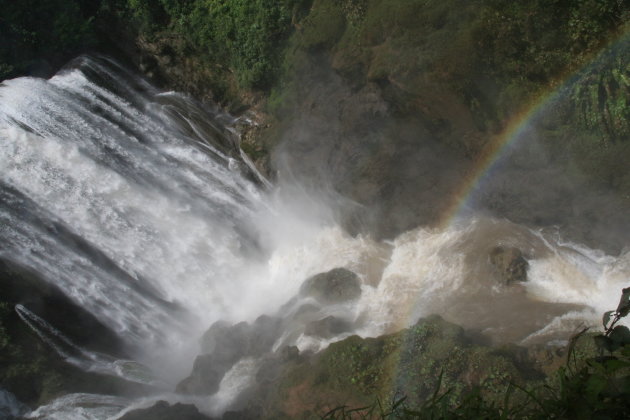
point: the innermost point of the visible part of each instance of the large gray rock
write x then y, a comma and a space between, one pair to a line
335, 286
222, 346
510, 264
207, 373
223, 339
327, 327
163, 411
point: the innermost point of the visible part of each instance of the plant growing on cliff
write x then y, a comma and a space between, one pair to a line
616, 336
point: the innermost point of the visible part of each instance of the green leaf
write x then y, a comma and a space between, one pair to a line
594, 386
603, 342
613, 365
606, 318
596, 365
624, 303
620, 335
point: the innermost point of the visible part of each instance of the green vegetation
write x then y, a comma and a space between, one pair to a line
243, 33
32, 31
241, 36
514, 49
529, 46
521, 48
245, 36
323, 26
593, 113
601, 95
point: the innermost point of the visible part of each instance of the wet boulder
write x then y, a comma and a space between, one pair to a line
263, 334
242, 339
207, 373
335, 286
223, 345
327, 327
226, 341
510, 264
163, 411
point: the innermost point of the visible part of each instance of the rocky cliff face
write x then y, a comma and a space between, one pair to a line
397, 106
431, 355
29, 367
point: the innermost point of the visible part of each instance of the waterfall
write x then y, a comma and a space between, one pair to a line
139, 206
132, 201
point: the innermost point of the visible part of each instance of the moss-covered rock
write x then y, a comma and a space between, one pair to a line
432, 357
411, 100
412, 363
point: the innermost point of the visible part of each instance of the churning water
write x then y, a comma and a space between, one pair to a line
140, 206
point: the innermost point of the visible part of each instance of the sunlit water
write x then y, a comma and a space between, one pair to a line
139, 206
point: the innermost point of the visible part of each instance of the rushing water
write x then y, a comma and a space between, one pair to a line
139, 205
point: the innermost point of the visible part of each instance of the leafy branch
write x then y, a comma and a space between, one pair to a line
616, 336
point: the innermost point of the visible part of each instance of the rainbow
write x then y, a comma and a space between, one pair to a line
514, 131
489, 157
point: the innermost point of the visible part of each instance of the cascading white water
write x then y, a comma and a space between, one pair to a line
136, 204
129, 203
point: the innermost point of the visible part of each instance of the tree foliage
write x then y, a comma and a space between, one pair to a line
32, 30
245, 35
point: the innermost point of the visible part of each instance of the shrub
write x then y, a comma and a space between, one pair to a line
33, 30
246, 36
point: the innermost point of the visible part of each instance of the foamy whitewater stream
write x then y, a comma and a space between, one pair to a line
139, 205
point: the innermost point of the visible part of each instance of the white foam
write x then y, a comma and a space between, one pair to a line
80, 407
